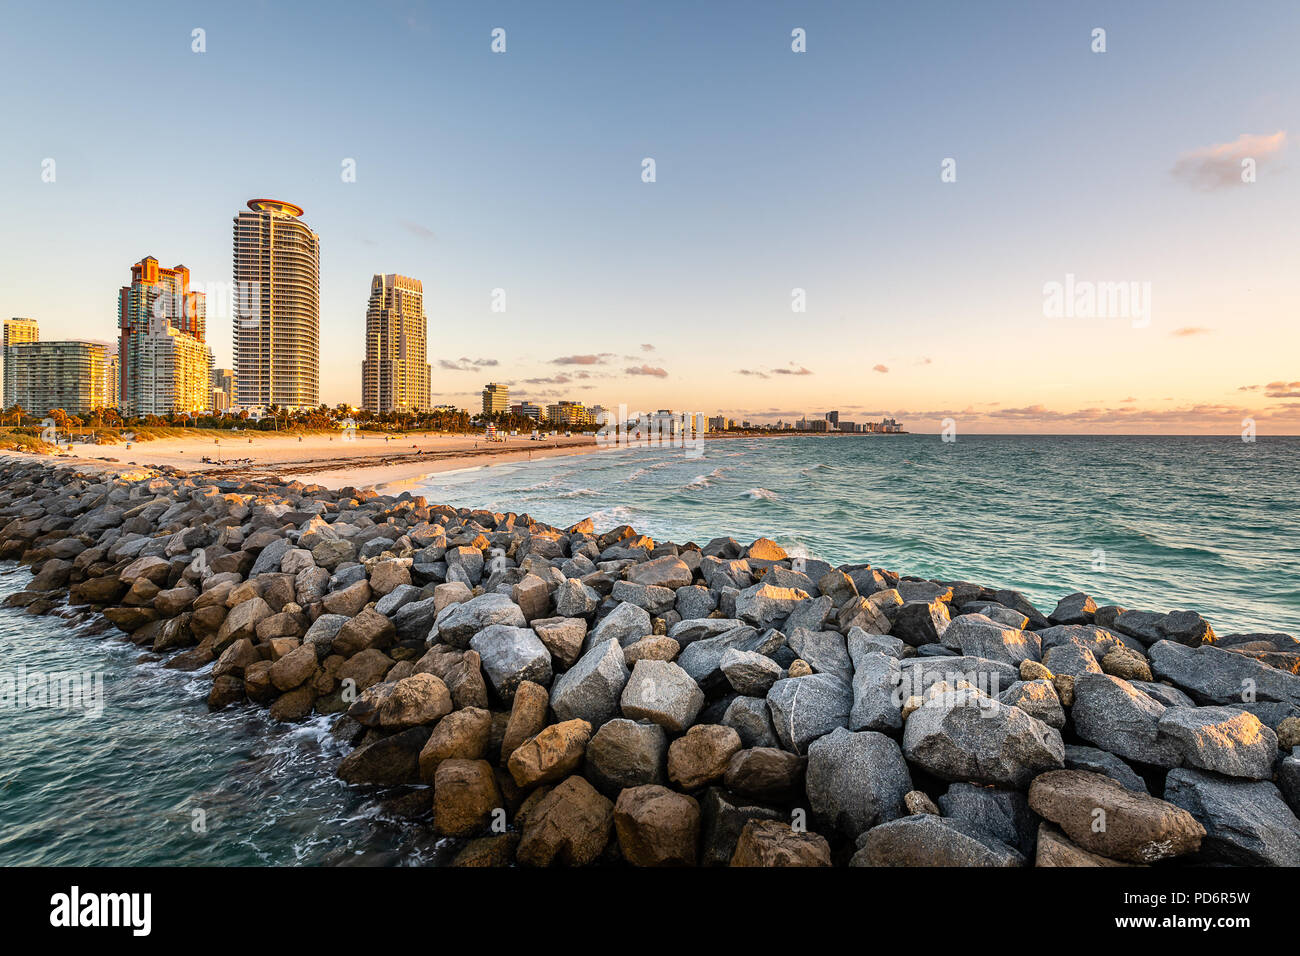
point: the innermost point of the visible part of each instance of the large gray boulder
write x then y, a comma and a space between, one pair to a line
1004, 814
805, 708
1214, 676
590, 689
964, 735
1119, 718
512, 655
669, 571
1246, 823
1037, 698
661, 692
1079, 757
751, 718
856, 780
626, 624
703, 659
979, 636
458, 623
763, 605
1182, 627
1225, 740
749, 673
823, 651
876, 700
921, 622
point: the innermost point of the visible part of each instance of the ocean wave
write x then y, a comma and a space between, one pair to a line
762, 494
577, 493
607, 518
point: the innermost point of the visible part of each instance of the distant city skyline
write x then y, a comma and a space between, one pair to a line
983, 218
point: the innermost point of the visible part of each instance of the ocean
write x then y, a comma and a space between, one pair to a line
1210, 524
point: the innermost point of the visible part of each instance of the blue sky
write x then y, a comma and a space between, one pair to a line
775, 170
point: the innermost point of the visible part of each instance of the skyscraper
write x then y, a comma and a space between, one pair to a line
496, 398
395, 372
155, 295
277, 307
16, 330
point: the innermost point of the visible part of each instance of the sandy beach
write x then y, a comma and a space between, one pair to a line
367, 461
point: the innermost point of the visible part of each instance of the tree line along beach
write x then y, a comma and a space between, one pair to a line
561, 696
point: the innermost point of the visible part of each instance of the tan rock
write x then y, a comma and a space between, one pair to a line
527, 716
295, 668
465, 795
919, 802
569, 826
1033, 670
397, 705
653, 648
552, 754
774, 843
799, 668
1104, 817
461, 735
1127, 664
700, 756
1055, 849
657, 826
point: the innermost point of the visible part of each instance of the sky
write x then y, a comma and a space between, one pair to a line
925, 296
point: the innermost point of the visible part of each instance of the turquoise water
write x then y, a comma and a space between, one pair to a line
1208, 524
122, 788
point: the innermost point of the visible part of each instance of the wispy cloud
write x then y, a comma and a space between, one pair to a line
1187, 330
880, 368
751, 371
646, 370
466, 364
582, 359
647, 347
793, 370
415, 229
1220, 165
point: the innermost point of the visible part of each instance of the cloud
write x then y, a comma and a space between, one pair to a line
582, 359
1219, 165
415, 229
646, 370
553, 380
751, 371
880, 368
647, 347
794, 370
1282, 390
466, 364
1187, 330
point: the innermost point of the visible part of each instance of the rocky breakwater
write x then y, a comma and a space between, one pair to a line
561, 696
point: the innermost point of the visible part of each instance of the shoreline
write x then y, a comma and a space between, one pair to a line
619, 699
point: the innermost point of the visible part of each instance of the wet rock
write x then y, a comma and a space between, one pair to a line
464, 796
386, 761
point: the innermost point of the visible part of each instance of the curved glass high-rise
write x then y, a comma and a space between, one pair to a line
277, 307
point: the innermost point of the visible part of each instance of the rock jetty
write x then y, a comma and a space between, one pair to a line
559, 696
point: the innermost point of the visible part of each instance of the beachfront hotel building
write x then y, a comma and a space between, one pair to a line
496, 398
156, 295
59, 374
171, 372
277, 307
16, 330
395, 372
568, 414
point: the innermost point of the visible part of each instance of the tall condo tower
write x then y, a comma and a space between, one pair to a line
277, 307
159, 299
17, 330
395, 372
